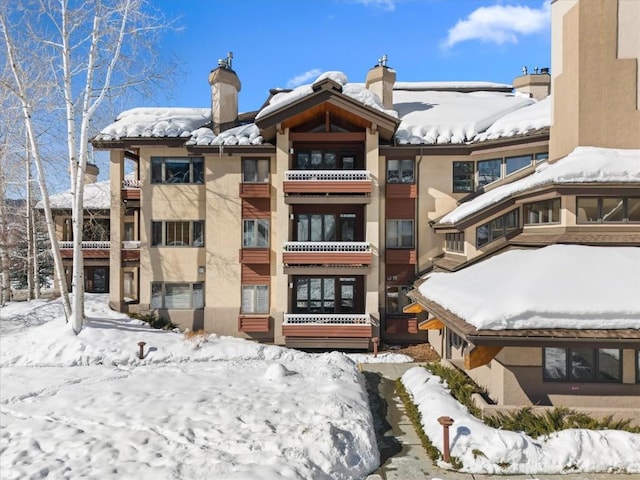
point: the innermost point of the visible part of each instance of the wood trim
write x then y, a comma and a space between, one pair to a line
130, 255
253, 323
130, 194
400, 209
255, 255
401, 325
415, 307
401, 256
256, 208
321, 187
255, 190
479, 356
332, 258
323, 137
433, 324
330, 331
401, 190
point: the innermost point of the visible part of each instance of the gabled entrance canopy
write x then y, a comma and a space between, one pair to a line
328, 104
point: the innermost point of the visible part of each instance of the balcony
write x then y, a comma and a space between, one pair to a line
354, 325
324, 182
327, 253
130, 251
130, 189
89, 249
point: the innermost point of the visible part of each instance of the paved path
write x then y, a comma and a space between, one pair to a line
402, 456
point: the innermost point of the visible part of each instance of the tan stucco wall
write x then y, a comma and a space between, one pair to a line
595, 89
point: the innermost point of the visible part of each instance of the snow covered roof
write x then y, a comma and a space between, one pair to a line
431, 113
96, 196
559, 286
583, 165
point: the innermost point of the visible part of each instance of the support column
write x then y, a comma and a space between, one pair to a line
116, 228
373, 231
280, 235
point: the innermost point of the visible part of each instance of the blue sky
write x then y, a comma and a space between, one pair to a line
284, 43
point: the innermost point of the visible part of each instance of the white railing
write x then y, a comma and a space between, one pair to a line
86, 245
130, 184
327, 175
327, 247
327, 319
131, 244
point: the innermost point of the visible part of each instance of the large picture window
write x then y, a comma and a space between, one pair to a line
399, 233
546, 211
582, 364
177, 296
489, 171
608, 209
513, 164
177, 170
177, 233
255, 233
400, 171
255, 299
255, 170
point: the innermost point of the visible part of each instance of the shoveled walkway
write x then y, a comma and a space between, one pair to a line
401, 453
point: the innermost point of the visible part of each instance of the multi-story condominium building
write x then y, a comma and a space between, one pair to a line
306, 222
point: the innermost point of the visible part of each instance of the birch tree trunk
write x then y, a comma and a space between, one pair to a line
5, 285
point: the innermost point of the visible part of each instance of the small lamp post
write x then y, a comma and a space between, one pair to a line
141, 352
446, 422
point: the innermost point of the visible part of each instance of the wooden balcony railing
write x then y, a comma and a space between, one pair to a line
327, 325
65, 245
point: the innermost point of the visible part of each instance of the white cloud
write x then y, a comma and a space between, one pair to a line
499, 24
304, 77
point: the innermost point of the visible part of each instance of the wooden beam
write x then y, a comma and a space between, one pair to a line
433, 324
479, 356
415, 307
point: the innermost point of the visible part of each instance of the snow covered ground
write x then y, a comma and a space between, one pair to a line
207, 407
483, 449
218, 407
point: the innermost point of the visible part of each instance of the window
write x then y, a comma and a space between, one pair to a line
455, 242
541, 157
513, 164
177, 296
546, 211
177, 170
397, 298
325, 295
489, 171
177, 234
255, 170
255, 233
400, 171
319, 159
95, 230
497, 228
463, 174
129, 229
637, 366
399, 233
582, 364
255, 299
608, 209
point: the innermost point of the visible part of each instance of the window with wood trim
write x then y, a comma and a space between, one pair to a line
400, 234
400, 171
608, 209
255, 233
582, 365
255, 170
397, 298
255, 299
463, 177
497, 228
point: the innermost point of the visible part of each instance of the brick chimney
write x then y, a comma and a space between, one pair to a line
380, 80
537, 85
225, 86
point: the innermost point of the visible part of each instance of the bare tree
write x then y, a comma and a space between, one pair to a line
95, 51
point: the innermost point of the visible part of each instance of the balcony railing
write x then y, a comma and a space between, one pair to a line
130, 184
327, 175
86, 245
131, 244
326, 319
327, 247
325, 182
327, 253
